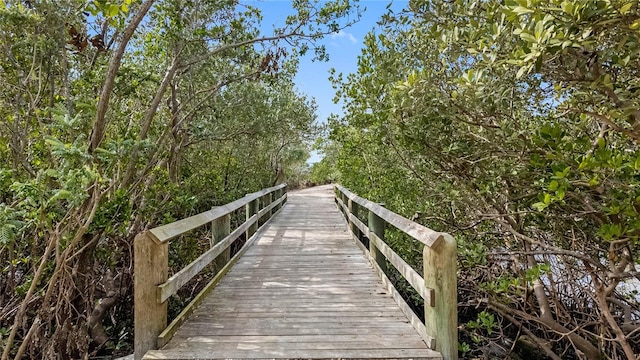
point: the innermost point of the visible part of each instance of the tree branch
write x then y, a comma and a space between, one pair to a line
99, 125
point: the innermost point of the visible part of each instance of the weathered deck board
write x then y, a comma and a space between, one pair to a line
303, 290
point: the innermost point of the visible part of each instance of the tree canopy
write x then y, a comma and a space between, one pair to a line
120, 115
512, 125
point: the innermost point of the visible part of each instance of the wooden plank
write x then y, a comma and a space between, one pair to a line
243, 316
310, 271
339, 300
274, 287
183, 276
293, 276
274, 326
315, 254
300, 280
271, 256
204, 330
293, 273
279, 288
285, 348
407, 272
300, 298
289, 339
271, 284
393, 343
301, 264
274, 270
277, 309
355, 321
329, 342
297, 292
169, 231
342, 263
419, 232
207, 353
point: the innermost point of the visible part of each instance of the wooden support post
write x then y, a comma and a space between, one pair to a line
252, 209
151, 265
220, 228
269, 200
353, 209
279, 194
345, 200
284, 192
441, 321
376, 226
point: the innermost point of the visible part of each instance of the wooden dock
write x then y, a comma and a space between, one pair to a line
303, 290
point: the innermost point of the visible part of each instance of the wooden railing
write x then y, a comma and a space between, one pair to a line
152, 287
437, 286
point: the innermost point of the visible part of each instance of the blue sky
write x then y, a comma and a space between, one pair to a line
343, 49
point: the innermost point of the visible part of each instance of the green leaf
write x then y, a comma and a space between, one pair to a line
521, 10
113, 10
521, 71
540, 206
528, 37
607, 81
60, 195
539, 29
624, 9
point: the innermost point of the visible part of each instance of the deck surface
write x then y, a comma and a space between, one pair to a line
303, 290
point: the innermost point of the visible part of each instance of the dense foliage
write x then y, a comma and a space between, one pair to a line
513, 125
117, 116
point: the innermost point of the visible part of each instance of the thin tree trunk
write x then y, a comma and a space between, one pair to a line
99, 126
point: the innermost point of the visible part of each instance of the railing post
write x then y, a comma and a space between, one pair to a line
441, 321
220, 228
268, 199
377, 226
151, 264
278, 194
353, 209
337, 195
252, 209
345, 200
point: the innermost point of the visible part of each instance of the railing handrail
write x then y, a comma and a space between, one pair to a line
437, 286
417, 231
167, 232
152, 287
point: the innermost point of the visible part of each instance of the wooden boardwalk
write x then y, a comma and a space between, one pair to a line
302, 290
